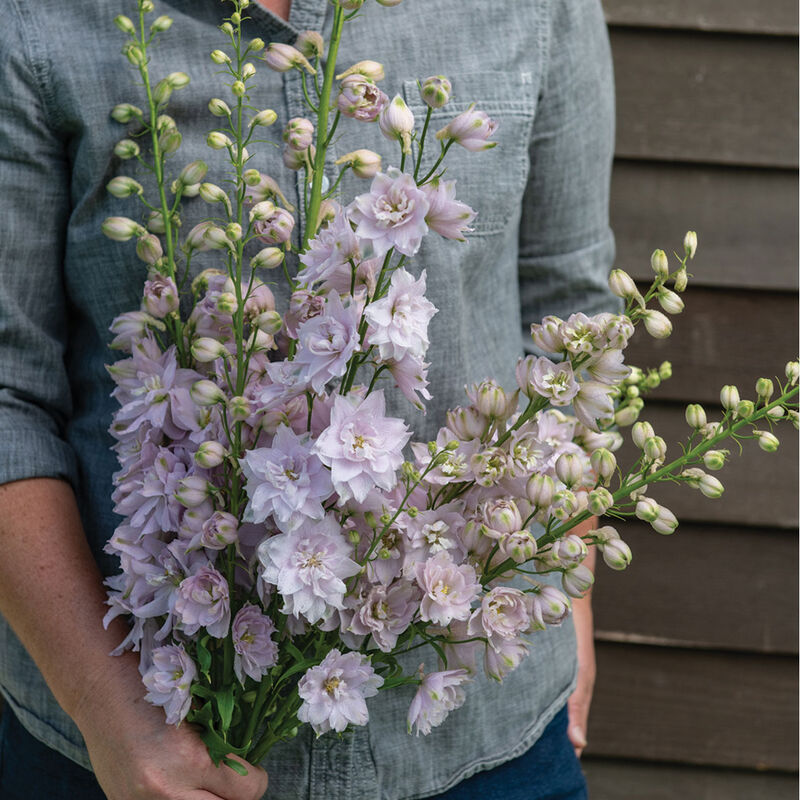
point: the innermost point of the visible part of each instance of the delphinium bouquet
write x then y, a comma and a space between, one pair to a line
284, 541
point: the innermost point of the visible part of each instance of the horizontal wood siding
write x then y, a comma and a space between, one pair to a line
744, 218
737, 16
714, 98
696, 696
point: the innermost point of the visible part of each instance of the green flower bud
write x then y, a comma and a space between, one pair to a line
669, 301
767, 441
170, 141
690, 243
125, 112
248, 70
125, 24
764, 389
133, 53
715, 459
122, 186
793, 371
177, 80
238, 88
744, 408
655, 448
256, 45
268, 258
233, 230
695, 415
147, 6
161, 24
659, 263
641, 432
604, 463
121, 229
126, 148
217, 140
220, 57
729, 397
665, 370
193, 172
265, 118
681, 280
219, 108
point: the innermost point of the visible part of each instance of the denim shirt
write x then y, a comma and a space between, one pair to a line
540, 245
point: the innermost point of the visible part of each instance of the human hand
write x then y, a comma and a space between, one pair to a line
137, 756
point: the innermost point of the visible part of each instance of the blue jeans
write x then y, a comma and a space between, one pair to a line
548, 771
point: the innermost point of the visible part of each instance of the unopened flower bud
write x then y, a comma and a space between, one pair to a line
170, 141
206, 393
565, 504
397, 122
161, 24
690, 243
729, 397
226, 302
219, 108
236, 17
491, 400
238, 88
604, 463
248, 70
177, 80
269, 322
764, 389
193, 491
655, 448
263, 210
656, 324
226, 28
123, 186
695, 415
569, 468
310, 44
283, 57
665, 522
577, 581
793, 371
436, 91
540, 489
681, 280
707, 484
268, 258
162, 91
665, 370
669, 301
299, 133
621, 284
212, 193
641, 432
351, 5
121, 229
616, 554
220, 530
233, 230
210, 454
715, 459
155, 222
467, 423
767, 441
371, 70
744, 408
147, 6
519, 546
220, 57
239, 408
647, 509
205, 349
600, 500
389, 3
630, 413
126, 148
659, 263
264, 118
125, 112
148, 248
364, 163
125, 24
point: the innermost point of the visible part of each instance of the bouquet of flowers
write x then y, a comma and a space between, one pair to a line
284, 542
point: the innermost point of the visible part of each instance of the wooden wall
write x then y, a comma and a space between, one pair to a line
697, 642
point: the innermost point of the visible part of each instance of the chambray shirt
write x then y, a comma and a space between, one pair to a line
540, 245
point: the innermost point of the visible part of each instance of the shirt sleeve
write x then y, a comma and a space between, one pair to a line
566, 247
35, 399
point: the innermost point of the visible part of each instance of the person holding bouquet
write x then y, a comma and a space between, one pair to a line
540, 245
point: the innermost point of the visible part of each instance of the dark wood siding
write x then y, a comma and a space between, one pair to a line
697, 642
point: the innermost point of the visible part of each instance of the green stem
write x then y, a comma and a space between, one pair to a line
422, 141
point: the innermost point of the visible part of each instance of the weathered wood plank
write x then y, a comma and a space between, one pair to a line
615, 779
760, 488
721, 337
706, 97
766, 16
678, 589
697, 707
746, 220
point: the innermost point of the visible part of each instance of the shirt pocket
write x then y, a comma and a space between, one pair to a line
491, 181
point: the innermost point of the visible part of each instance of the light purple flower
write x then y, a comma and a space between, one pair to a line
359, 98
447, 216
449, 589
556, 382
386, 612
169, 681
203, 601
303, 305
327, 341
398, 323
608, 367
362, 446
581, 334
504, 657
286, 481
219, 530
160, 296
255, 652
330, 250
130, 328
334, 692
392, 213
411, 377
439, 693
594, 403
276, 228
309, 568
504, 613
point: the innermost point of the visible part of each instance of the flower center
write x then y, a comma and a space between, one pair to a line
331, 685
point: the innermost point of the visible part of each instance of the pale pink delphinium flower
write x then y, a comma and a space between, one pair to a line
471, 129
286, 481
439, 693
392, 213
327, 341
362, 446
449, 589
203, 601
504, 613
330, 251
554, 381
335, 691
594, 404
398, 322
386, 612
360, 99
255, 652
411, 377
504, 657
169, 681
276, 228
447, 216
309, 568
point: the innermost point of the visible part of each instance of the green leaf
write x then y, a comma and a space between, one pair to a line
224, 701
296, 654
204, 656
236, 766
